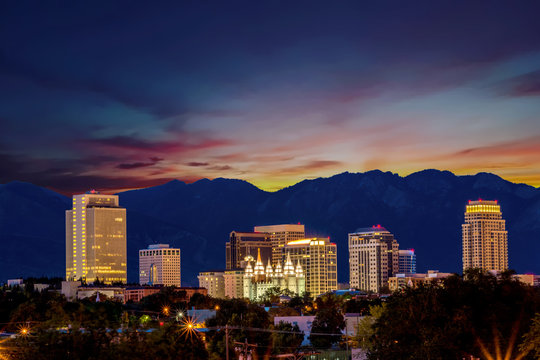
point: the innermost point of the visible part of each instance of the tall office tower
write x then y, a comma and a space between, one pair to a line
159, 265
318, 259
242, 244
96, 239
485, 240
407, 262
373, 258
280, 235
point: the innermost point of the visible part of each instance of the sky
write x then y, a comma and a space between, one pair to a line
121, 95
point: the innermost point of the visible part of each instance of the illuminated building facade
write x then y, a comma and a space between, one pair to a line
407, 262
159, 265
213, 282
373, 258
318, 259
258, 279
400, 281
96, 239
242, 244
280, 235
234, 283
485, 239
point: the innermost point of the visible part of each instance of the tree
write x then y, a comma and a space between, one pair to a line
238, 313
366, 330
286, 342
476, 315
531, 340
328, 320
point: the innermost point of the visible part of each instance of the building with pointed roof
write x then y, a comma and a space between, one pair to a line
258, 280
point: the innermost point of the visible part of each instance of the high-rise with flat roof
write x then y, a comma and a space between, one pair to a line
280, 235
373, 258
242, 244
485, 239
96, 239
318, 259
407, 262
159, 265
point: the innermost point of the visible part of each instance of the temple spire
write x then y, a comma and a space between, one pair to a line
299, 271
269, 270
288, 269
259, 267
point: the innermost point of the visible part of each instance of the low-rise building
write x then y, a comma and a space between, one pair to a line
529, 279
136, 293
105, 292
413, 280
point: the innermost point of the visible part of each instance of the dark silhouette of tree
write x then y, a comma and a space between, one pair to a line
285, 342
475, 315
328, 320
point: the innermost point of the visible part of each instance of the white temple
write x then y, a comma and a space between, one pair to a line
258, 280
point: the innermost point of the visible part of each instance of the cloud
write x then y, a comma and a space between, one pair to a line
164, 146
136, 165
518, 148
220, 167
523, 85
195, 163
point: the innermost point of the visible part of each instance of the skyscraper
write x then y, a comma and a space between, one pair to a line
318, 259
373, 258
280, 235
96, 239
242, 244
407, 262
485, 240
159, 264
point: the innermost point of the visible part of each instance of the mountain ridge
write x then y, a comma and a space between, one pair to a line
424, 210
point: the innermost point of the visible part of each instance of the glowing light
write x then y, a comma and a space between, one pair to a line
188, 327
165, 310
24, 330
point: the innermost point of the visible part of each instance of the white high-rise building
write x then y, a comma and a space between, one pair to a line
160, 265
373, 258
96, 239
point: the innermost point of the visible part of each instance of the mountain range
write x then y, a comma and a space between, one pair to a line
423, 210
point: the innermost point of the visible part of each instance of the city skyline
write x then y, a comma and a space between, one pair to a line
182, 91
